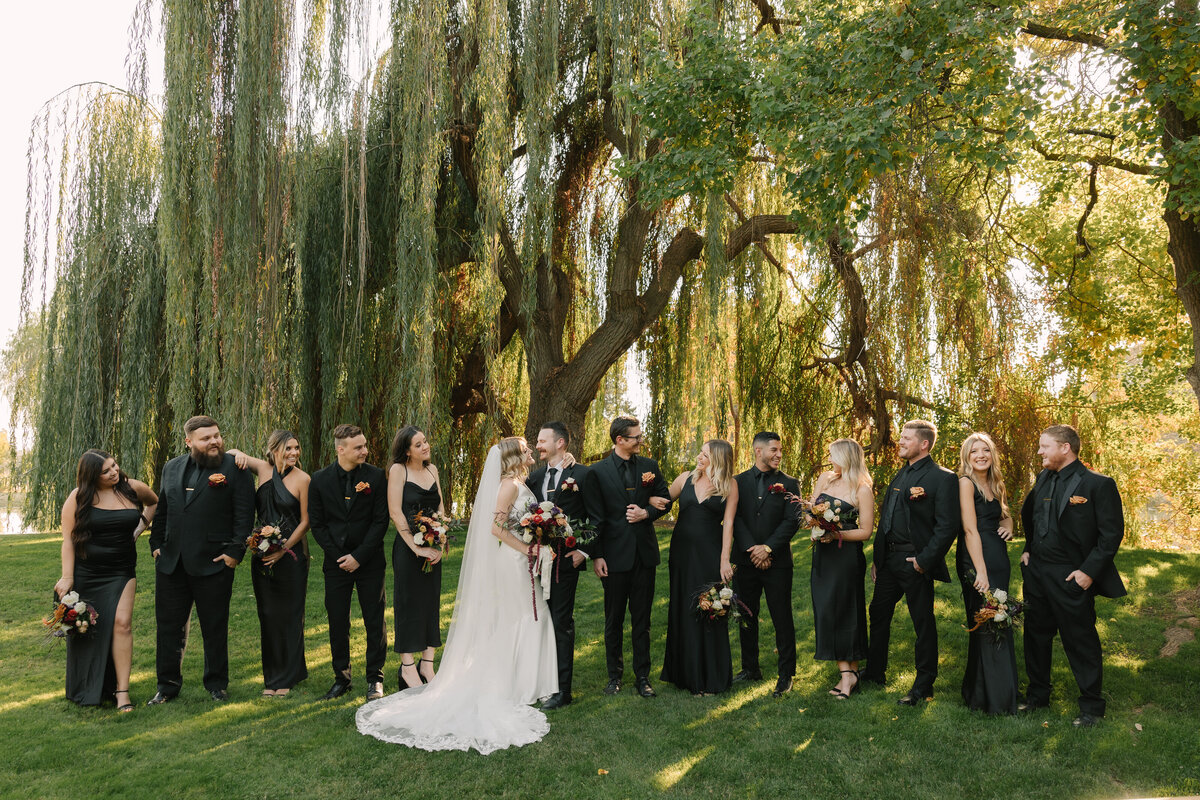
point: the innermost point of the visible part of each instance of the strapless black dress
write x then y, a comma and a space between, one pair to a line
281, 591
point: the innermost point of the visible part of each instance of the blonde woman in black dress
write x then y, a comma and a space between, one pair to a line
414, 488
839, 568
101, 520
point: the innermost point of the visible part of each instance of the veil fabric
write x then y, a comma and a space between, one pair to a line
497, 658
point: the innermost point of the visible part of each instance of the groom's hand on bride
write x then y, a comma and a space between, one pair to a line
601, 567
635, 513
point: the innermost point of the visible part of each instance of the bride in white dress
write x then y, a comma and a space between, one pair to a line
497, 659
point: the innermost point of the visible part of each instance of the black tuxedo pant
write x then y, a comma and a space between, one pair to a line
562, 614
633, 589
1054, 605
174, 595
751, 584
339, 586
895, 580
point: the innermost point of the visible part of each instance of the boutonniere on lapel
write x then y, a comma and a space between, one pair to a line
569, 485
362, 487
776, 488
647, 479
1076, 500
217, 480
916, 493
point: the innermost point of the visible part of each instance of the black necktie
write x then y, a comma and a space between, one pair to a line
889, 509
629, 484
1051, 502
551, 482
761, 480
349, 488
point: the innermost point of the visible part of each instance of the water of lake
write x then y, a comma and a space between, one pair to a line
11, 522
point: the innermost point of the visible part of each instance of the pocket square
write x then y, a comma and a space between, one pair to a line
1076, 500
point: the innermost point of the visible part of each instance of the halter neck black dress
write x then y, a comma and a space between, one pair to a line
281, 590
418, 594
109, 563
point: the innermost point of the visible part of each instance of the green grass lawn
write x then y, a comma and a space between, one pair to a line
742, 744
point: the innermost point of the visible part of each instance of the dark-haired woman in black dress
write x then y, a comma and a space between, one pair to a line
101, 520
990, 680
281, 580
697, 654
413, 489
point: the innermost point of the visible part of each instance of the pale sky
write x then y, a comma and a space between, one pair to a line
48, 47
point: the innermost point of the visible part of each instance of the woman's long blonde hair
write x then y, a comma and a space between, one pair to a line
848, 455
995, 478
512, 461
720, 465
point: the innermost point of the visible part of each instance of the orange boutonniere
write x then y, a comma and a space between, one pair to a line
1076, 500
363, 487
916, 493
647, 478
217, 479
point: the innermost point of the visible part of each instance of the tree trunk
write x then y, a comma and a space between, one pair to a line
1183, 240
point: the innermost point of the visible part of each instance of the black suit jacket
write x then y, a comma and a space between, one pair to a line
1090, 531
573, 503
617, 540
357, 530
772, 522
933, 521
194, 527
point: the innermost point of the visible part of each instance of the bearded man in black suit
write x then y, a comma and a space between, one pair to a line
1073, 526
563, 486
348, 512
625, 553
762, 537
205, 512
918, 521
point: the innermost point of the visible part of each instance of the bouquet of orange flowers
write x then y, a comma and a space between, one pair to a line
70, 617
998, 612
717, 601
433, 530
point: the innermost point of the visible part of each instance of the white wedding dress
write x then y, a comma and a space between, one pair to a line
497, 660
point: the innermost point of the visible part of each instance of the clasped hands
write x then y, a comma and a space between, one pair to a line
760, 557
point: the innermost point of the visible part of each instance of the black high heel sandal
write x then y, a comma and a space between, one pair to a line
840, 695
404, 681
124, 708
423, 678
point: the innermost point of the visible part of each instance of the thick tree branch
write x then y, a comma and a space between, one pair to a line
1064, 35
1094, 160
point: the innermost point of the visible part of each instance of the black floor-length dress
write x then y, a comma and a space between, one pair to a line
109, 564
990, 680
281, 590
839, 594
418, 594
697, 654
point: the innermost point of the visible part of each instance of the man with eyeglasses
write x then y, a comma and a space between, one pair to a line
625, 553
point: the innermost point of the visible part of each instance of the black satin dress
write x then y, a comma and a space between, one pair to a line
109, 564
839, 595
990, 681
697, 654
281, 590
418, 594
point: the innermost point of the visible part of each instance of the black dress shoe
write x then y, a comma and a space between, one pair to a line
1026, 706
913, 699
614, 686
557, 700
160, 698
220, 695
1085, 721
644, 688
337, 690
782, 686
749, 675
374, 690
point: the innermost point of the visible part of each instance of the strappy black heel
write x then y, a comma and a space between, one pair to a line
404, 681
423, 678
126, 707
840, 695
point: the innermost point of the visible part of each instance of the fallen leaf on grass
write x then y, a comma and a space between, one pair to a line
1137, 726
870, 738
1045, 724
895, 718
601, 772
803, 710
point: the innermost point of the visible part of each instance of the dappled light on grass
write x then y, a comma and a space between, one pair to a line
31, 699
735, 702
667, 777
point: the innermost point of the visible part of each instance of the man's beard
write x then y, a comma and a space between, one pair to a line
202, 458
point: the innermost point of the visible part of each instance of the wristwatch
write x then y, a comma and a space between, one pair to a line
767, 547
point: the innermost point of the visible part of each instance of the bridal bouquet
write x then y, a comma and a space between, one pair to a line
717, 601
999, 612
433, 530
267, 539
541, 525
70, 617
826, 519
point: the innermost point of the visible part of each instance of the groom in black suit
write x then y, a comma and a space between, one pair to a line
348, 512
625, 552
918, 522
205, 512
1073, 526
762, 537
562, 486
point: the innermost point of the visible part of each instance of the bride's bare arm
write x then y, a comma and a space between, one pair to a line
504, 503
